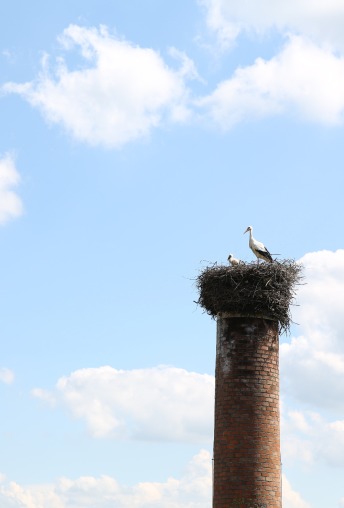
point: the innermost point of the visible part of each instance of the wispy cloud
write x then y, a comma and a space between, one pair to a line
10, 204
6, 375
320, 20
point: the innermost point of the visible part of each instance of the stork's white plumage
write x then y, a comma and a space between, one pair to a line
233, 261
258, 248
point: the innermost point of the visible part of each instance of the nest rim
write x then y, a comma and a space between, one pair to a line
264, 290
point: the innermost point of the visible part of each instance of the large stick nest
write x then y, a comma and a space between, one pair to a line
249, 289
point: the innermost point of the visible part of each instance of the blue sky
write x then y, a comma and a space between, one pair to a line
138, 141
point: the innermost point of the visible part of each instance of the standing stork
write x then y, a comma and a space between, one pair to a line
258, 248
233, 261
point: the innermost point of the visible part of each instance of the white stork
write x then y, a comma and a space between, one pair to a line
258, 248
233, 261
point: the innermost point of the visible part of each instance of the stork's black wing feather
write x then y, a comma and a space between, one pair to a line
266, 254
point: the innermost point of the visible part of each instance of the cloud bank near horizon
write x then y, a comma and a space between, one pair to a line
191, 490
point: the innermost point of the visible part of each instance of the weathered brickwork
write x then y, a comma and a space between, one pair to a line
247, 470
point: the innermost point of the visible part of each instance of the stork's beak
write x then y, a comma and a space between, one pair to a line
245, 230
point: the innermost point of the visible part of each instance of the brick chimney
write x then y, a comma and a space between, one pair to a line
251, 303
247, 463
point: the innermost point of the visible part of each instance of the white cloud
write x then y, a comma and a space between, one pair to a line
321, 20
302, 80
192, 490
312, 364
118, 94
307, 437
291, 498
330, 445
162, 403
299, 433
6, 375
10, 204
321, 297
